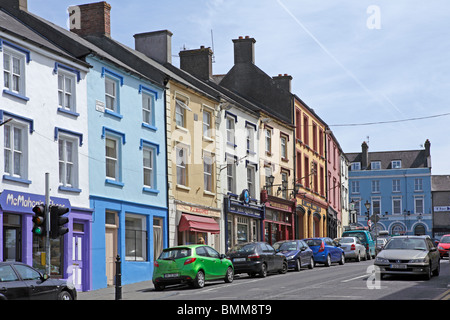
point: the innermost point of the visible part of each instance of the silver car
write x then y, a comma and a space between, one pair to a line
415, 255
353, 248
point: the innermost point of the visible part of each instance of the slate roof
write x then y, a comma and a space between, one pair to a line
410, 159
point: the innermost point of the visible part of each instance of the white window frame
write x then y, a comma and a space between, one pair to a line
251, 180
67, 94
207, 125
355, 166
355, 186
181, 165
13, 151
250, 139
283, 143
180, 113
141, 237
208, 171
399, 200
148, 108
148, 167
375, 186
418, 184
396, 164
417, 208
230, 128
373, 207
231, 175
68, 178
375, 165
112, 96
396, 185
268, 140
8, 84
113, 158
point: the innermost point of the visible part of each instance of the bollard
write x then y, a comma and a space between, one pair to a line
118, 279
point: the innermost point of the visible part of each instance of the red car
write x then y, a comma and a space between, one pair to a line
444, 245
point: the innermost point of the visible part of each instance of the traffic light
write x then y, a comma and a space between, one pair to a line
39, 222
57, 222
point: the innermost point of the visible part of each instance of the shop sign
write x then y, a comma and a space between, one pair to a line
198, 210
280, 206
24, 202
313, 207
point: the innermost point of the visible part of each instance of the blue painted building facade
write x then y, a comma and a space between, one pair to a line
397, 185
127, 172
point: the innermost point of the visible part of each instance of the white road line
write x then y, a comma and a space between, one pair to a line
364, 275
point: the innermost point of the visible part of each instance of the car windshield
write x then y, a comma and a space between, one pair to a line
445, 239
313, 242
285, 246
175, 253
407, 244
360, 235
244, 248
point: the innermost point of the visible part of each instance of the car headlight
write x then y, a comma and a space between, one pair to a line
381, 260
290, 257
440, 248
417, 260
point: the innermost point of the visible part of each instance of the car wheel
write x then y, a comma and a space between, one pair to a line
298, 265
311, 263
438, 268
159, 287
284, 268
328, 261
64, 295
368, 256
342, 261
230, 275
199, 281
263, 272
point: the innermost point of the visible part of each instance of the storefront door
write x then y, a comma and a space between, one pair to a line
78, 253
12, 237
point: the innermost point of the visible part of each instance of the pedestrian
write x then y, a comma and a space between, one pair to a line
201, 240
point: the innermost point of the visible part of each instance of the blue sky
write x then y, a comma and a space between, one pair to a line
353, 62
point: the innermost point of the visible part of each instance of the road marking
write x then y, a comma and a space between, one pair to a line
364, 275
443, 296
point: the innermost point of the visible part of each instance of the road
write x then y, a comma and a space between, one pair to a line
351, 281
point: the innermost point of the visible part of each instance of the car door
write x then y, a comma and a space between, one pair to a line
206, 262
11, 287
334, 253
266, 255
276, 259
39, 288
218, 268
434, 254
305, 254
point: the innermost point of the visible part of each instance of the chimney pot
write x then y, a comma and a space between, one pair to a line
197, 62
244, 50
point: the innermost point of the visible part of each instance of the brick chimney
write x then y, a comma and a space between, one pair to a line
92, 19
364, 155
244, 50
197, 62
283, 81
156, 45
15, 4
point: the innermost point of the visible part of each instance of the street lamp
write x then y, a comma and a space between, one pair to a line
367, 205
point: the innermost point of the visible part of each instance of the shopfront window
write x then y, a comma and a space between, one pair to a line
135, 237
56, 255
242, 230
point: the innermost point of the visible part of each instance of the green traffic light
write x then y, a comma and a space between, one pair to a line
38, 231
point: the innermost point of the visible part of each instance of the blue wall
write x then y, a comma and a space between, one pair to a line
407, 194
126, 195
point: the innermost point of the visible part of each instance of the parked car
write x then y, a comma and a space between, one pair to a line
297, 253
409, 255
19, 281
444, 246
191, 264
257, 258
325, 251
353, 248
366, 238
381, 242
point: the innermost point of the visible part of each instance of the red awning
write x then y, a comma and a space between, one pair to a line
189, 222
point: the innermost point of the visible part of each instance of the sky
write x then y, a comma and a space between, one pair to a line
375, 71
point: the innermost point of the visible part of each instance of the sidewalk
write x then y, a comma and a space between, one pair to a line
132, 291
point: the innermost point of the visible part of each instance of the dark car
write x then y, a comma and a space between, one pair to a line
298, 254
19, 281
257, 258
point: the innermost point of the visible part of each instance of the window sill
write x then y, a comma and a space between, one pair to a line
207, 139
182, 187
150, 190
14, 179
181, 128
113, 114
69, 189
149, 126
209, 193
68, 112
114, 183
17, 95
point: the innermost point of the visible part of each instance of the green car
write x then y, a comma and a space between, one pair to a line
192, 264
